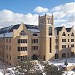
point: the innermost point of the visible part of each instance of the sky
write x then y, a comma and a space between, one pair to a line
17, 11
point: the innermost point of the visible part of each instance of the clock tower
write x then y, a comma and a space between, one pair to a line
47, 38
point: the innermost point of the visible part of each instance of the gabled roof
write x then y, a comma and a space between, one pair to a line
10, 28
60, 28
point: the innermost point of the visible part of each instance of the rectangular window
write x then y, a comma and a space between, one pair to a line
21, 57
9, 47
6, 39
63, 46
63, 40
68, 40
50, 45
68, 46
22, 40
9, 57
18, 48
18, 57
72, 40
9, 40
34, 47
34, 40
72, 45
22, 48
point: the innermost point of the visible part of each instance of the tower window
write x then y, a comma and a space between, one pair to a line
49, 20
50, 30
50, 45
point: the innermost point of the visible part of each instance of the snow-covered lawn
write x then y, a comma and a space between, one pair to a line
71, 62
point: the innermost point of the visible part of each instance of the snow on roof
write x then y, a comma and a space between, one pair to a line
34, 30
7, 34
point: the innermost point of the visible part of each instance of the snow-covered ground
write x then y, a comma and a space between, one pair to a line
71, 61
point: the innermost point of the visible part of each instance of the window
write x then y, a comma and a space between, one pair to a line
63, 55
50, 30
50, 45
68, 40
68, 34
63, 40
34, 34
18, 48
68, 46
49, 20
18, 57
9, 40
22, 48
63, 34
22, 33
72, 45
63, 46
9, 57
22, 40
72, 40
9, 47
72, 34
21, 57
34, 47
6, 39
34, 40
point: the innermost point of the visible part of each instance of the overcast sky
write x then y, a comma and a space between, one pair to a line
17, 11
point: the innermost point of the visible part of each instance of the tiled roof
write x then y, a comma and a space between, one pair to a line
10, 28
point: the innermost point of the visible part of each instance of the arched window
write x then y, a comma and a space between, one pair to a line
22, 33
72, 34
50, 30
63, 34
